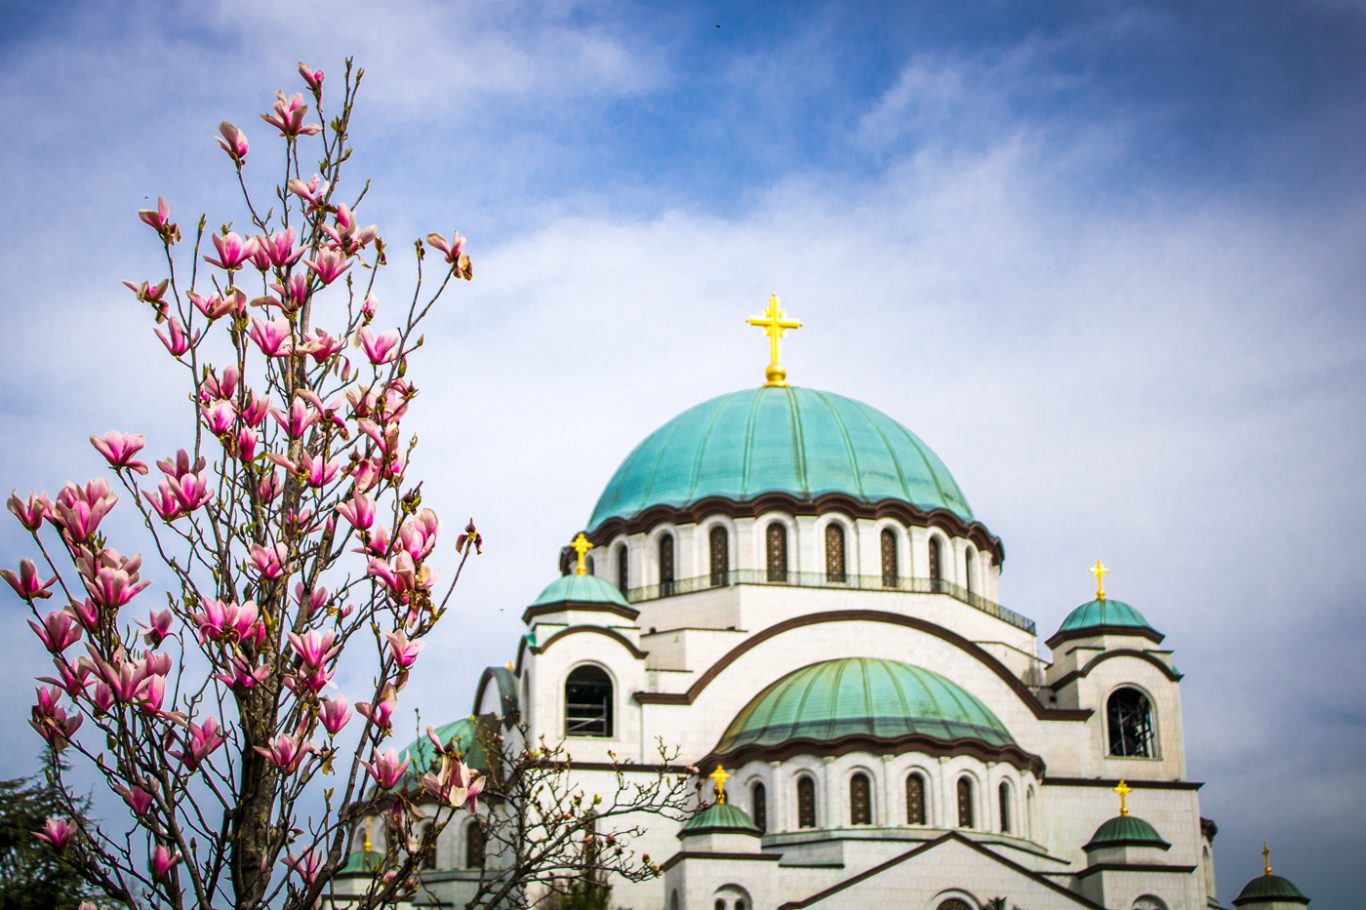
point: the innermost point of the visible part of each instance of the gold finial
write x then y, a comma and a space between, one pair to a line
1100, 572
774, 322
1124, 790
510, 666
366, 846
719, 776
581, 546
1266, 857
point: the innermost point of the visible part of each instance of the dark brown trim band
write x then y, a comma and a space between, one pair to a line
896, 619
1111, 782
1133, 867
744, 857
1101, 658
531, 613
595, 630
908, 514
914, 742
1073, 634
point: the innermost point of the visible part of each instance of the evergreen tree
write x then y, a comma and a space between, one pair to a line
32, 875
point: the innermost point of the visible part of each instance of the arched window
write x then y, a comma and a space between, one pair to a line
889, 567
719, 905
666, 565
474, 845
758, 804
806, 803
588, 702
936, 566
740, 905
590, 565
1029, 813
719, 542
673, 900
1131, 724
1003, 797
776, 545
834, 553
623, 565
965, 814
915, 799
970, 570
860, 800
954, 903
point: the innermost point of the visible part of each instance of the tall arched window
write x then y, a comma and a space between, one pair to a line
719, 543
623, 565
860, 800
776, 545
673, 900
970, 570
1003, 798
806, 802
666, 565
834, 553
590, 565
936, 565
965, 813
588, 702
1131, 724
1029, 813
915, 799
889, 567
474, 845
758, 804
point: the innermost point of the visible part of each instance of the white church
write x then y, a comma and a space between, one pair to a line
789, 585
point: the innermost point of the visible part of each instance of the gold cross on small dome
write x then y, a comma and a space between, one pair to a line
719, 777
1266, 857
1100, 572
581, 546
1123, 790
775, 323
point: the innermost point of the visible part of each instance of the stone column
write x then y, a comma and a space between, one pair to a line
832, 819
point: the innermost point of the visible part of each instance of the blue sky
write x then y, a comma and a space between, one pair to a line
1105, 258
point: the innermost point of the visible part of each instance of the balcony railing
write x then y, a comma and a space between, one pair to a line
820, 580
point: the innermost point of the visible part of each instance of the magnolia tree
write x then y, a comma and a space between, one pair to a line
291, 539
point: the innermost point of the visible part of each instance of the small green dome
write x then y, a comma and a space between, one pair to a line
583, 589
1268, 888
866, 696
720, 817
779, 440
362, 862
1126, 831
423, 756
1098, 613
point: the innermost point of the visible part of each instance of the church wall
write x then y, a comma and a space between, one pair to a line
1094, 690
549, 671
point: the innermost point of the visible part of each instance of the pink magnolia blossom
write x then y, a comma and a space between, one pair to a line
215, 386
31, 511
271, 336
321, 346
452, 249
73, 678
112, 588
368, 308
328, 265
287, 752
418, 534
345, 235
125, 678
246, 443
243, 674
256, 409
471, 538
404, 651
27, 584
378, 544
288, 116
163, 859
150, 293
270, 486
233, 141
153, 693
335, 714
79, 509
102, 697
318, 471
279, 248
51, 720
454, 784
58, 631
229, 622
386, 769
164, 501
313, 77
297, 421
313, 192
315, 601
181, 464
313, 647
380, 349
232, 251
158, 663
272, 561
156, 219
119, 449
138, 799
216, 307
57, 832
178, 341
307, 866
359, 510
87, 613
381, 713
191, 490
203, 741
219, 417
158, 627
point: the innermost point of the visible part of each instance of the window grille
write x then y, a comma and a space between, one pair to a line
622, 566
806, 803
1131, 724
719, 542
759, 806
936, 564
965, 814
588, 702
777, 551
474, 845
969, 571
1003, 797
860, 800
834, 553
889, 567
915, 800
666, 565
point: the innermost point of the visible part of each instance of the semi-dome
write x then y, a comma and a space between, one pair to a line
580, 589
796, 441
1126, 831
1104, 613
862, 696
720, 817
1269, 889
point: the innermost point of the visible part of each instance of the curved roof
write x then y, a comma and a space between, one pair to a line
584, 589
868, 696
1104, 613
720, 817
1126, 831
779, 440
1268, 888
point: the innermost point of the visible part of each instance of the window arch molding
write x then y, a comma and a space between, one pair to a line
849, 528
702, 543
593, 668
761, 525
1155, 739
650, 554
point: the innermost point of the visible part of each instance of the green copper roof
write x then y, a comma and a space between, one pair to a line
862, 696
1268, 888
1126, 830
1104, 613
362, 862
587, 589
423, 755
789, 440
720, 817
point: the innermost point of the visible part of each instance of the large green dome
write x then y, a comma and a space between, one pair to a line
779, 440
862, 696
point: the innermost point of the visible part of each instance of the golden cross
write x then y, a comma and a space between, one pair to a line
719, 776
1266, 857
1100, 572
775, 323
366, 846
581, 546
1123, 790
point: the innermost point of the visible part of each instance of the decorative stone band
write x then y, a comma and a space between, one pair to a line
1068, 678
1073, 634
1134, 867
904, 512
913, 743
531, 613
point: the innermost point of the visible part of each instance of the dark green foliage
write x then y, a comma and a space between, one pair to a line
32, 876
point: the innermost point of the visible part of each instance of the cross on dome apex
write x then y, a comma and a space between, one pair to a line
775, 323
